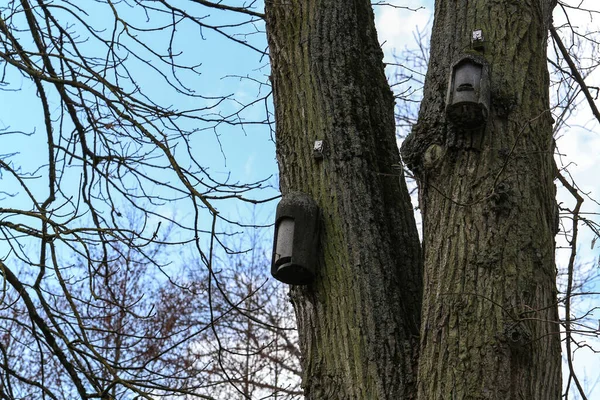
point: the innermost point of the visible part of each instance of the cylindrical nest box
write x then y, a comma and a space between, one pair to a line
468, 97
296, 239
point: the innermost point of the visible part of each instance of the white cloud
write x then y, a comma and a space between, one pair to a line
396, 26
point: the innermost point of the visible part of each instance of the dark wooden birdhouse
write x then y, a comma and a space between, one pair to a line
296, 239
468, 97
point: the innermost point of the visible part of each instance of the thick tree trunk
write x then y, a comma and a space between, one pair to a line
489, 328
359, 321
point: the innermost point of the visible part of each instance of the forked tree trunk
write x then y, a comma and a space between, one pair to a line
358, 322
490, 328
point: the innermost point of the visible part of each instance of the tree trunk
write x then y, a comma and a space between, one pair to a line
490, 327
358, 322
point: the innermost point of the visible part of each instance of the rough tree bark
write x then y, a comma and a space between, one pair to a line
490, 327
358, 322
